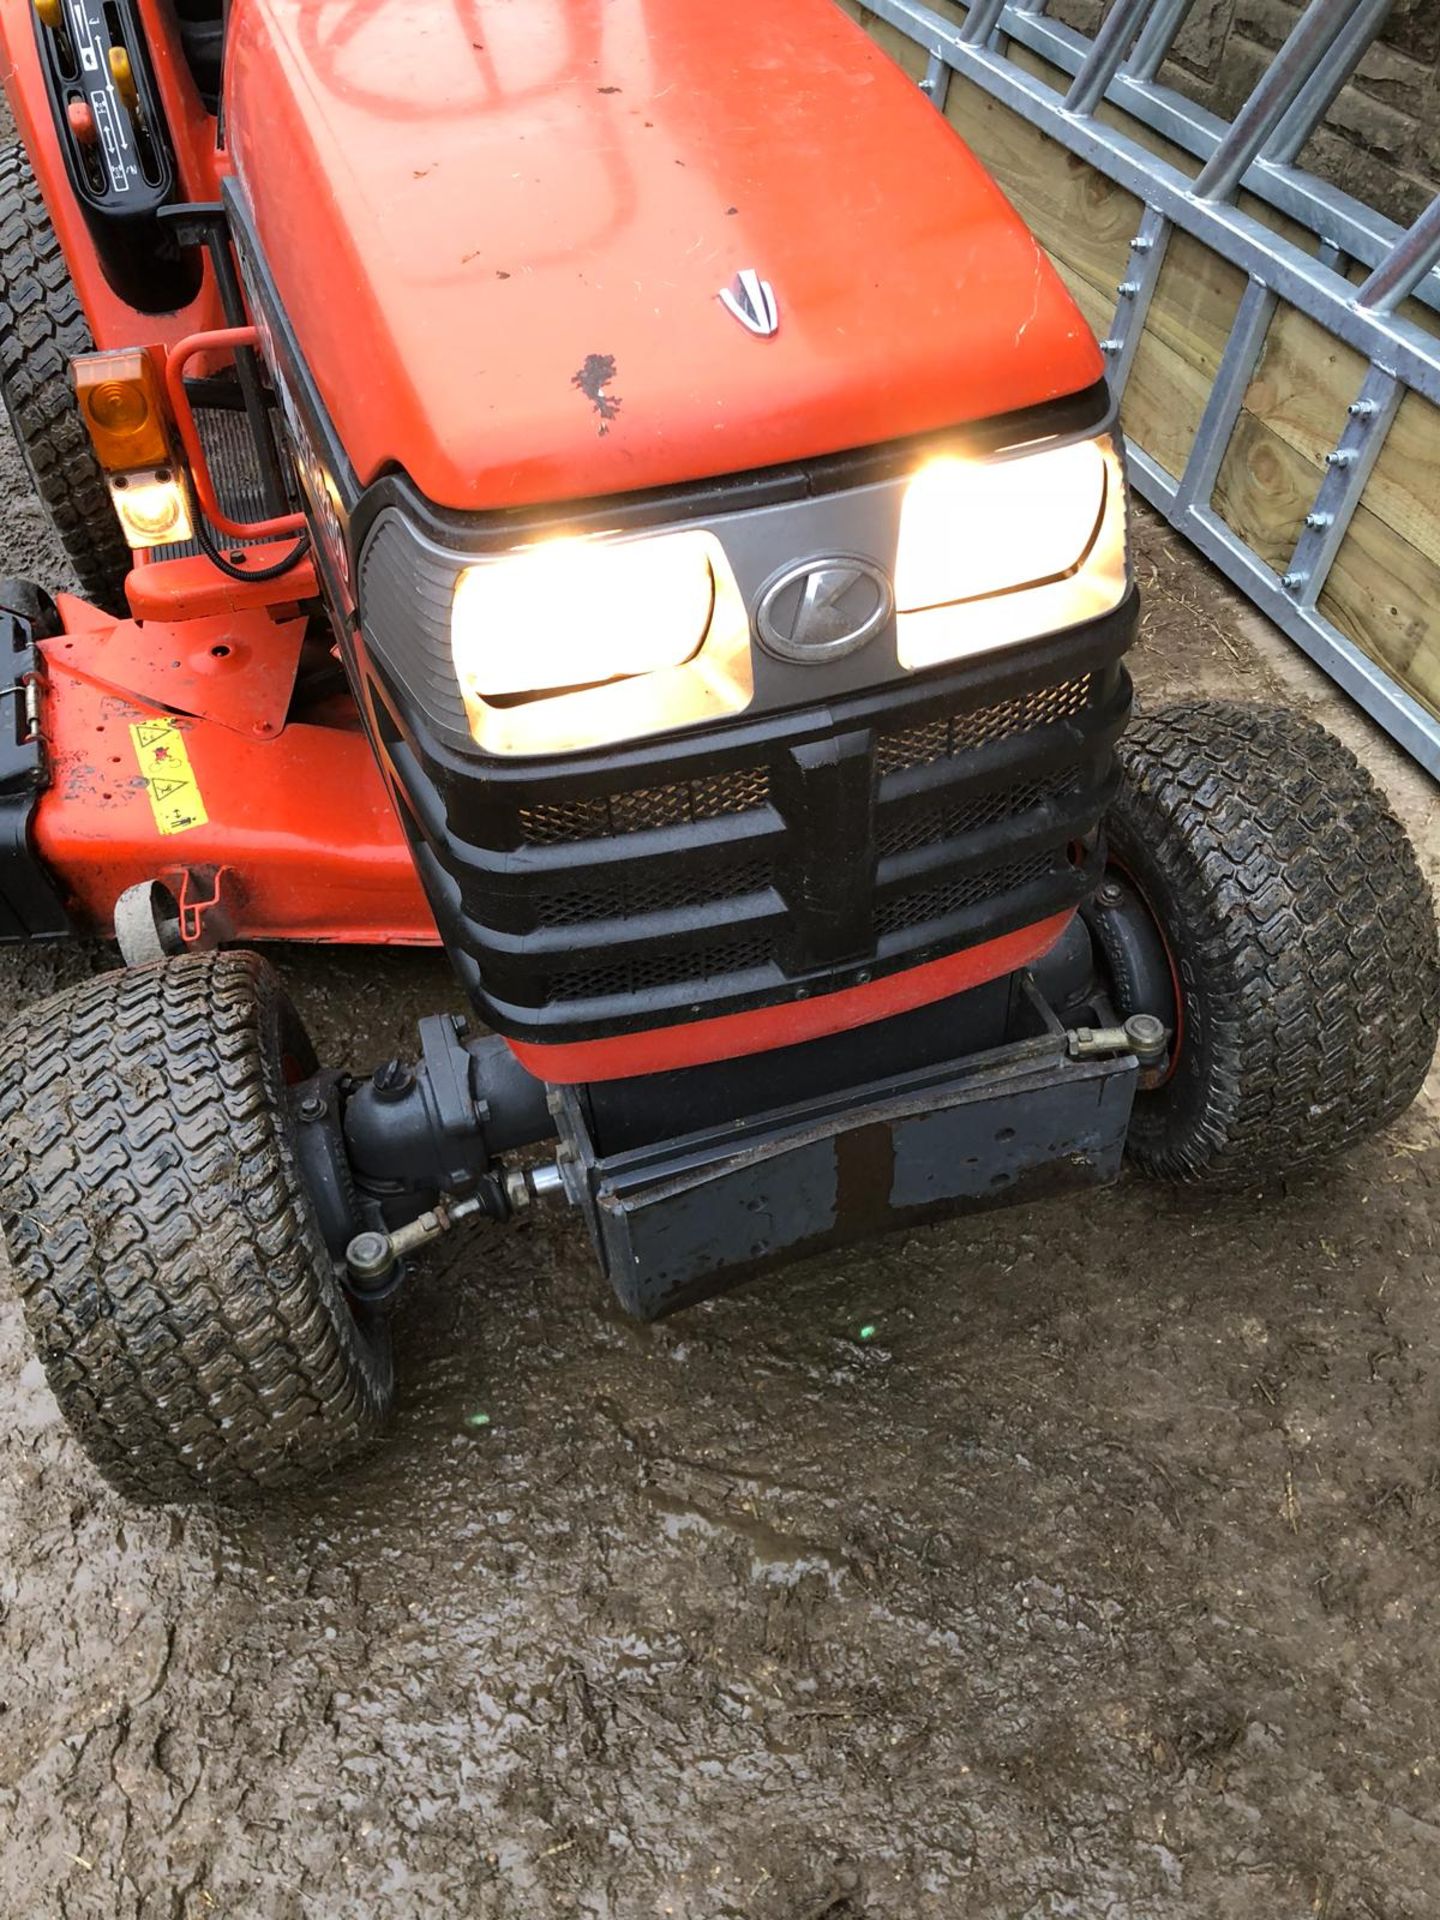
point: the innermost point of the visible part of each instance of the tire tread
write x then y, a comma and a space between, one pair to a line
1306, 929
171, 1272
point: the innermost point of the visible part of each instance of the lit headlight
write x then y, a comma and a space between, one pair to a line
623, 637
994, 552
569, 613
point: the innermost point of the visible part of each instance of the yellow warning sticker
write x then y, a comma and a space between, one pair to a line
174, 793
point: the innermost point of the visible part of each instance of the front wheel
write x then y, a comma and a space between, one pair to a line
171, 1268
1300, 934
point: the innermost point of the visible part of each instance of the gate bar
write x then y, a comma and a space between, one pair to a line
1136, 290
1157, 37
1356, 229
1222, 408
1107, 50
1311, 39
1371, 416
1396, 279
1318, 94
981, 21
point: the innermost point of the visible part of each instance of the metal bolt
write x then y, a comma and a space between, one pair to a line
1143, 245
1111, 893
1111, 346
370, 1256
1128, 289
1146, 1035
1315, 521
1342, 457
313, 1107
1293, 582
1362, 409
392, 1079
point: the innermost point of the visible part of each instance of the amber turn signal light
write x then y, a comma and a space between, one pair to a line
123, 408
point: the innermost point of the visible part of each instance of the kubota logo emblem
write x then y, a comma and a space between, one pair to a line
752, 301
823, 609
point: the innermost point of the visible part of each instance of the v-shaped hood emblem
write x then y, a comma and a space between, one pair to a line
752, 301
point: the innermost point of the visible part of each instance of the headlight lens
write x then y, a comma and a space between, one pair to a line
622, 637
575, 612
578, 642
995, 552
971, 528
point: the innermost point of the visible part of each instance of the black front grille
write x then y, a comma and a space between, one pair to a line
686, 877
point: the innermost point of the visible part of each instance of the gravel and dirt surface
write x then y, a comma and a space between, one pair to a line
1099, 1582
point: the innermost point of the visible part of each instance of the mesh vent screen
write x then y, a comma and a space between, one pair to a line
922, 904
945, 738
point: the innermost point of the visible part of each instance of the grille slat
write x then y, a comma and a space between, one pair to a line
634, 894
903, 831
642, 973
672, 806
919, 905
958, 733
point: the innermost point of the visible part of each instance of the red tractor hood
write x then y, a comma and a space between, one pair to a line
499, 229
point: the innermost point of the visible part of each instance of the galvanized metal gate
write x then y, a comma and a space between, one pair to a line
1367, 282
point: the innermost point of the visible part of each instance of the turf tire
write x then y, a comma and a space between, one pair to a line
170, 1266
1303, 933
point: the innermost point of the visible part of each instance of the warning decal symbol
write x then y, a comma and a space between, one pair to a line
174, 794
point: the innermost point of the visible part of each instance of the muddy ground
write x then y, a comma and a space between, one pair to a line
1101, 1581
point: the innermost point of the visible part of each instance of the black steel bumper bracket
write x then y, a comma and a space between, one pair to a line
682, 1219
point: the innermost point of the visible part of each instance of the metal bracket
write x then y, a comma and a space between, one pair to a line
204, 923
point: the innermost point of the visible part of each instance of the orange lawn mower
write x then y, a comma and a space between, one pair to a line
612, 488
